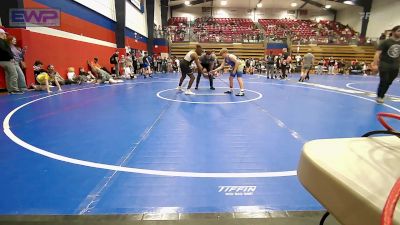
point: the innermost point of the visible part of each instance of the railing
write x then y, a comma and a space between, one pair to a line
335, 41
188, 35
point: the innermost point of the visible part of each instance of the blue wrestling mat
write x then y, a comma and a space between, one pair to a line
142, 146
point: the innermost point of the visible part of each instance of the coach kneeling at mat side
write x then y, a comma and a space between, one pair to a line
207, 61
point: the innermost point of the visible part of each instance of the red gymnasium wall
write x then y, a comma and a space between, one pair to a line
89, 34
135, 44
63, 52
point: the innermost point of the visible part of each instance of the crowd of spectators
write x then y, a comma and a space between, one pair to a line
309, 31
276, 66
207, 29
131, 65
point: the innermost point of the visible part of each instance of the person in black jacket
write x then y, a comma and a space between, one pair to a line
285, 62
7, 63
270, 60
114, 59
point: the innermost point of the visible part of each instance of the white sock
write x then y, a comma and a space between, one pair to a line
241, 90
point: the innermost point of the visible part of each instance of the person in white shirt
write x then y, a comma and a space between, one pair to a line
185, 65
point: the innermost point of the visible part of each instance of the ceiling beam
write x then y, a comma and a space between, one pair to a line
319, 5
195, 2
304, 4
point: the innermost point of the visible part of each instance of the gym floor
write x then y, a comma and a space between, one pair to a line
143, 148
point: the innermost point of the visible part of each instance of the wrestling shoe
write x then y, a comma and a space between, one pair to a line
380, 100
189, 92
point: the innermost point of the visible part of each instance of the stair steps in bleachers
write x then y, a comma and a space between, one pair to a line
243, 51
346, 52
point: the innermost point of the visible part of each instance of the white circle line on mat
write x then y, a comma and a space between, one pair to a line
208, 103
350, 85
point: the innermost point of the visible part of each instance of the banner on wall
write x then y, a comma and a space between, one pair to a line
138, 4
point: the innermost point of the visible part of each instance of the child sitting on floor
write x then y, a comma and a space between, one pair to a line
101, 73
38, 69
72, 77
55, 75
87, 76
44, 79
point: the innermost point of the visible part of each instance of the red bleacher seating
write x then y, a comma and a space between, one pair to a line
300, 29
176, 21
225, 26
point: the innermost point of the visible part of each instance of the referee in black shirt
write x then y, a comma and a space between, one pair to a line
207, 60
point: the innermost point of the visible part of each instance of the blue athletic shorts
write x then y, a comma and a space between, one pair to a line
239, 71
237, 74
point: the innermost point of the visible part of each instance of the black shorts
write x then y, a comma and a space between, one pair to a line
206, 66
185, 67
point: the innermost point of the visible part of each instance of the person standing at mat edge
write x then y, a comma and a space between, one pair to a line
387, 61
7, 62
146, 65
237, 70
306, 66
285, 62
186, 70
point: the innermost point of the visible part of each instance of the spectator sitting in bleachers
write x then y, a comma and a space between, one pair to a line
303, 30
